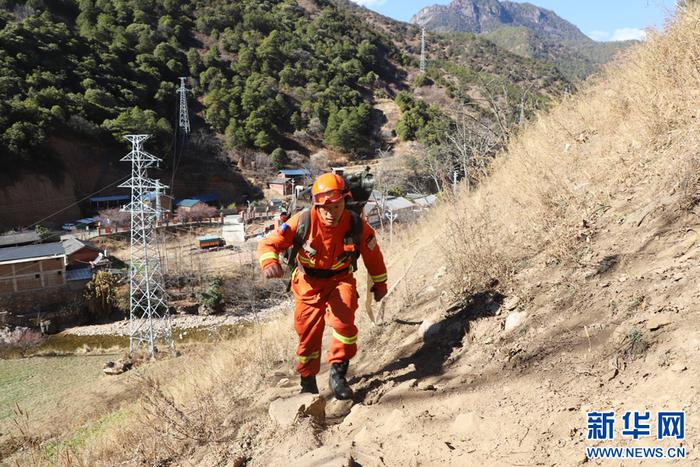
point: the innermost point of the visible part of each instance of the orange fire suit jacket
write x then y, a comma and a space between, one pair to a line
328, 244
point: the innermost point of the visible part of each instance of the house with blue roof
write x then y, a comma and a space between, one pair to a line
188, 203
112, 201
292, 173
288, 178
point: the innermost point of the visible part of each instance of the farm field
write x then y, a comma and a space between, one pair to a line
43, 387
39, 384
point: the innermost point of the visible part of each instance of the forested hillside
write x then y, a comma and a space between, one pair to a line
575, 59
465, 74
93, 69
264, 76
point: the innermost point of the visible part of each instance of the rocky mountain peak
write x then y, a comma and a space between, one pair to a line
482, 16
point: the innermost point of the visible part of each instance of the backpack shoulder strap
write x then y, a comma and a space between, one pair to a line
302, 228
300, 235
298, 242
354, 236
355, 228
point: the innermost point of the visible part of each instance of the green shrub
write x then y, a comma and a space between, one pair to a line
101, 295
421, 80
213, 297
279, 158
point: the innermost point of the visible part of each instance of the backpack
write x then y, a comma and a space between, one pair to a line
352, 237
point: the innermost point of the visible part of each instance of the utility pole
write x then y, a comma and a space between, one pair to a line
392, 217
149, 318
159, 211
184, 120
293, 204
422, 50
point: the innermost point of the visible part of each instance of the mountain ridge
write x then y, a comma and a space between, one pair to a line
550, 38
480, 16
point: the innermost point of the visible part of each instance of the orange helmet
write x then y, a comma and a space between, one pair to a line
328, 188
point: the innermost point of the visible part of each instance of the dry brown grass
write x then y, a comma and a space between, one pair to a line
636, 125
200, 401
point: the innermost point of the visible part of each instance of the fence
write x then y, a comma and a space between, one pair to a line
100, 231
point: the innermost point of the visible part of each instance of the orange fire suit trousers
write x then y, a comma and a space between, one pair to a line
316, 302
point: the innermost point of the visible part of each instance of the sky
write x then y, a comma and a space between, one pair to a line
602, 20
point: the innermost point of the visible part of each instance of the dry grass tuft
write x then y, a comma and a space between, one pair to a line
200, 401
633, 127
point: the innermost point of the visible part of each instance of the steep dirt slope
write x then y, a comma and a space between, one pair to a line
586, 233
619, 333
471, 392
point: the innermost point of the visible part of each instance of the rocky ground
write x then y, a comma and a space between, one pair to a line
183, 321
509, 380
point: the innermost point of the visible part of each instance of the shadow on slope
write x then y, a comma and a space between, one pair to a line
439, 341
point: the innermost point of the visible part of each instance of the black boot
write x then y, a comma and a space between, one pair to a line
308, 384
338, 383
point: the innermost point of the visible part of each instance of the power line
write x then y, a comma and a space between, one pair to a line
183, 122
174, 145
76, 203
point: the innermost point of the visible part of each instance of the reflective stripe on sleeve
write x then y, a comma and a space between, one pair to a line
269, 255
345, 340
379, 278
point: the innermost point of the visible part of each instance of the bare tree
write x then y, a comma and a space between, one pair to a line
114, 218
196, 213
470, 147
439, 166
501, 111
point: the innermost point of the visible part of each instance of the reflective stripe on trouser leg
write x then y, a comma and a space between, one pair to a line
308, 323
345, 340
304, 359
340, 315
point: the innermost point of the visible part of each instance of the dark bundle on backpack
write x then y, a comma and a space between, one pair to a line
360, 186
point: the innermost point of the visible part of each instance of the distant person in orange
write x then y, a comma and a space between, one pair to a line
323, 284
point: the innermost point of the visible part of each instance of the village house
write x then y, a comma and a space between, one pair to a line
233, 229
208, 198
286, 179
106, 202
79, 253
164, 203
19, 238
401, 207
186, 205
32, 267
422, 200
373, 213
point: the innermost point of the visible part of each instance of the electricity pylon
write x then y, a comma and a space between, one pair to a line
149, 318
184, 120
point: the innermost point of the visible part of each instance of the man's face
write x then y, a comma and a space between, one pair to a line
330, 213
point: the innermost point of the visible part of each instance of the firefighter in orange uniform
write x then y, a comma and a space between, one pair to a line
323, 284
